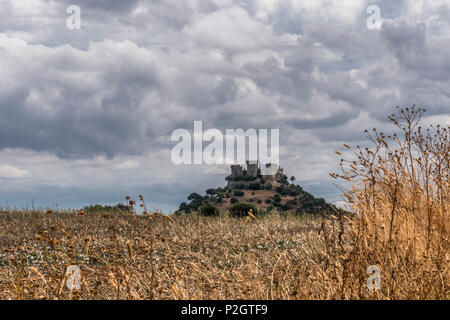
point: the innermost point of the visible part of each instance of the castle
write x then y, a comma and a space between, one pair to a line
268, 172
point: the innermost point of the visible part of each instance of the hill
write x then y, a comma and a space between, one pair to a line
260, 194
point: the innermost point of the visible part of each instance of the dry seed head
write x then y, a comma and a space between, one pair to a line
169, 218
129, 249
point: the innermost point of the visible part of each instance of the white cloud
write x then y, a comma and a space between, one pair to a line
127, 165
230, 28
12, 172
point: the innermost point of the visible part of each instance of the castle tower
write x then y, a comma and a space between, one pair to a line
236, 170
280, 172
252, 168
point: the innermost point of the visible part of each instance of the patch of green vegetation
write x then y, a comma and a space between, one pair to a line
238, 193
209, 210
242, 209
244, 178
303, 203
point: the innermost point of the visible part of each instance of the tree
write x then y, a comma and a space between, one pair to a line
209, 210
242, 209
238, 193
195, 196
254, 186
292, 179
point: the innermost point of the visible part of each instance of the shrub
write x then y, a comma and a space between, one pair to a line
284, 180
282, 190
238, 193
244, 178
292, 202
242, 209
195, 196
234, 200
255, 186
184, 207
209, 210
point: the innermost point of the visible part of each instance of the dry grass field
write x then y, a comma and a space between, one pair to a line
126, 257
122, 256
400, 225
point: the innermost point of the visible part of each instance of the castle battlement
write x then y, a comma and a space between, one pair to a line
269, 171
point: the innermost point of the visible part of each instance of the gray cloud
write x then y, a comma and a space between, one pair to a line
114, 6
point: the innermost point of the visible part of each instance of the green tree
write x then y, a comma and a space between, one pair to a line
209, 210
242, 209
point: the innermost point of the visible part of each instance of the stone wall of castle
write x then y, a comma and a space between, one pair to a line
252, 168
236, 171
269, 172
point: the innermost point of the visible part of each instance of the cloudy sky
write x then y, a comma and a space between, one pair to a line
87, 114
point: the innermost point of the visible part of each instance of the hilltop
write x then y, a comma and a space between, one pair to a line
261, 189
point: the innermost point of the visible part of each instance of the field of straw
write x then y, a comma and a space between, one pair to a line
399, 225
127, 257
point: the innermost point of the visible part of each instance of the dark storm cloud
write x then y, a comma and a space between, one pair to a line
58, 109
132, 90
293, 79
406, 41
